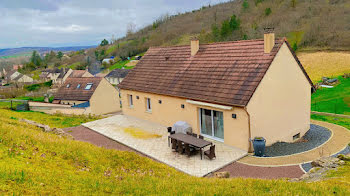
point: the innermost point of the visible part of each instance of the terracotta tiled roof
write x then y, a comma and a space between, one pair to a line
225, 73
71, 92
77, 73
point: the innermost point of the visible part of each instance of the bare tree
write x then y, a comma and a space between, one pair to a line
130, 28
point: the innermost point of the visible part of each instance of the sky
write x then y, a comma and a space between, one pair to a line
56, 23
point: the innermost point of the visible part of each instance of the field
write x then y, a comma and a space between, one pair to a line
43, 163
333, 100
328, 64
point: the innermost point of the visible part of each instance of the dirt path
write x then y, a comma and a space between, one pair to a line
82, 133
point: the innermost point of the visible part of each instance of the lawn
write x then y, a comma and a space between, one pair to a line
333, 100
57, 120
328, 64
345, 122
43, 163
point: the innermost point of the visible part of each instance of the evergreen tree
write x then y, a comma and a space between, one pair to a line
104, 42
59, 55
234, 23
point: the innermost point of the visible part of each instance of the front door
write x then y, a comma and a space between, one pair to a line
212, 123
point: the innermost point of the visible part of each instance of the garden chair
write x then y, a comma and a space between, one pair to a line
194, 135
189, 150
173, 144
210, 153
201, 137
188, 133
180, 148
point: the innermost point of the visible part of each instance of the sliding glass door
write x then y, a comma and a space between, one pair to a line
212, 123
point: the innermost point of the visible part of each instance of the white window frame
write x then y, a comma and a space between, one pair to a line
148, 105
131, 101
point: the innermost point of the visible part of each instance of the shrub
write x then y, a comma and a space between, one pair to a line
267, 11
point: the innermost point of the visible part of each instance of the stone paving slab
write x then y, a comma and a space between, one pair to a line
339, 140
157, 148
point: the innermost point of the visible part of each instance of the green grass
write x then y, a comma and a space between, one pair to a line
119, 65
56, 120
34, 162
333, 100
37, 99
345, 122
74, 65
111, 49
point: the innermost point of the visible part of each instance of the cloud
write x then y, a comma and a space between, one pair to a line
64, 29
80, 22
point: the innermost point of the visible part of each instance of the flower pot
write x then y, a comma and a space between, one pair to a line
259, 146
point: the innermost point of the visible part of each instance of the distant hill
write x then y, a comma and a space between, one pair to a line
9, 52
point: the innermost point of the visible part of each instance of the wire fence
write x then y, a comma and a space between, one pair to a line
334, 106
14, 104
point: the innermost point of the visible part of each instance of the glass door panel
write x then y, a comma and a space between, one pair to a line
206, 121
218, 124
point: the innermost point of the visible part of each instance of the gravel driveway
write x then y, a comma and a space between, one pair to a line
315, 137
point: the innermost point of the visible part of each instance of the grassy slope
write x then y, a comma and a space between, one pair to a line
333, 100
57, 120
43, 163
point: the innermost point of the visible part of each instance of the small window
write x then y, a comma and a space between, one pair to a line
78, 87
296, 136
182, 106
160, 101
137, 97
148, 104
68, 85
88, 86
131, 103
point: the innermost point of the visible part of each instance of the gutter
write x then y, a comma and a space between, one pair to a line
250, 149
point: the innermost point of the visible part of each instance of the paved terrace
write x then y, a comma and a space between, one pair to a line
157, 148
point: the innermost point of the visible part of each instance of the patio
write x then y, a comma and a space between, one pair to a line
151, 139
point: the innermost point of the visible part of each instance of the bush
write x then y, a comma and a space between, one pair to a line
267, 11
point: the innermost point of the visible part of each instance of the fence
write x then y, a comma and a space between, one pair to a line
337, 106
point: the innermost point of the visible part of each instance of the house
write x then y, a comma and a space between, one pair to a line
58, 76
80, 74
231, 92
97, 95
16, 67
116, 76
21, 78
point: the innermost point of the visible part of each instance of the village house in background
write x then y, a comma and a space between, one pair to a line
16, 67
230, 92
16, 77
59, 76
95, 95
81, 74
116, 76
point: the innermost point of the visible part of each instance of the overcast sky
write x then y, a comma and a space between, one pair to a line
80, 22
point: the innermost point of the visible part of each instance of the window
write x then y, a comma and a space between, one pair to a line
88, 86
148, 105
296, 136
68, 85
131, 103
78, 87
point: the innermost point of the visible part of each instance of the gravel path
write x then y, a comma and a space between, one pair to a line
316, 136
247, 171
85, 134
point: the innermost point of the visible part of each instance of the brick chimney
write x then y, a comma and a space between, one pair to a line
269, 39
194, 46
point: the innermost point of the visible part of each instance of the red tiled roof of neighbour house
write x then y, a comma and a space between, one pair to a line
224, 73
74, 93
77, 73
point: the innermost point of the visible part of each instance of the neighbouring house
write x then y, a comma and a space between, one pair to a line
80, 74
231, 92
21, 78
16, 67
58, 76
10, 75
116, 76
101, 75
94, 94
